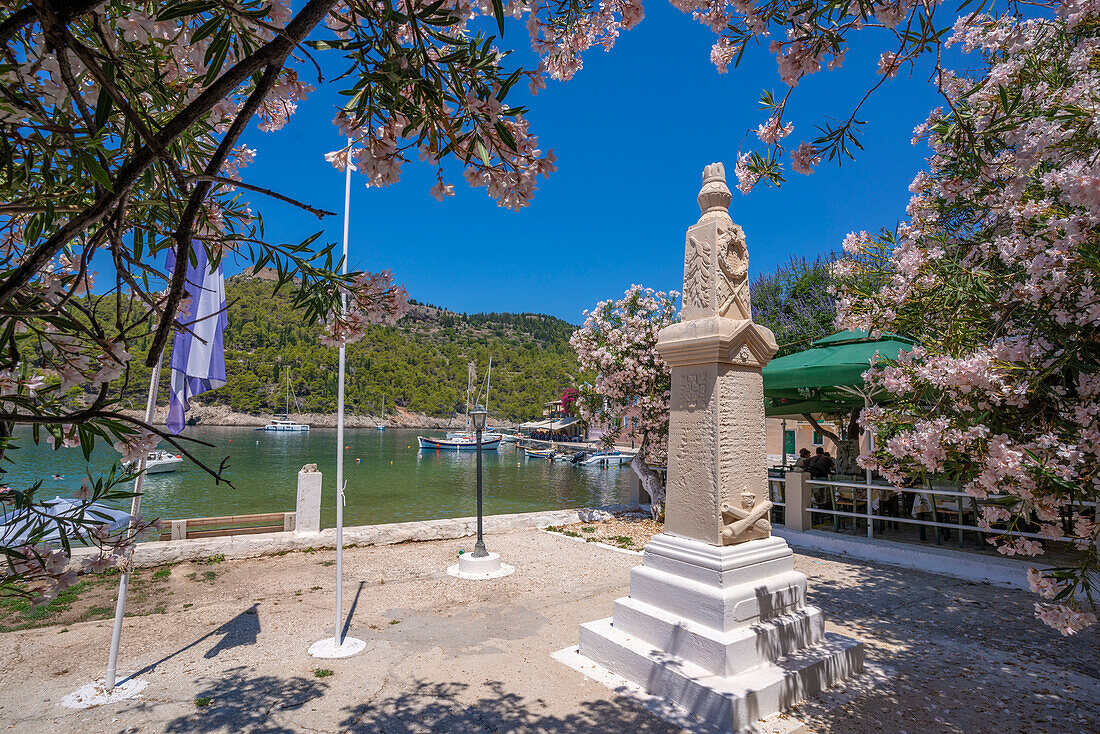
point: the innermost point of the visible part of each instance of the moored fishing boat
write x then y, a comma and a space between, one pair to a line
539, 453
457, 444
485, 436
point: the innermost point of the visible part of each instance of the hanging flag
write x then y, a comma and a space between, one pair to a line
198, 355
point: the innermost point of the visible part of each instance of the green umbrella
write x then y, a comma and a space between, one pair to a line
827, 377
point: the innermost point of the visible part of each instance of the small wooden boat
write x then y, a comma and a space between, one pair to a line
472, 435
539, 453
457, 444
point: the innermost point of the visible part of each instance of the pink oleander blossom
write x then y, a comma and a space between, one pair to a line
993, 274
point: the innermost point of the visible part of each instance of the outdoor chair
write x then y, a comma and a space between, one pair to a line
848, 499
889, 504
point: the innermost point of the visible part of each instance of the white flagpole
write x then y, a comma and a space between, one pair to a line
340, 646
336, 641
135, 506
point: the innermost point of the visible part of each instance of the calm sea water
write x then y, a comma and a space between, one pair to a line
393, 481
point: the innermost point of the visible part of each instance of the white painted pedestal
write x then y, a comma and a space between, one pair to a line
722, 631
473, 568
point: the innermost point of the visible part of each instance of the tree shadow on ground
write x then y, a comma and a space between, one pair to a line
970, 657
458, 707
240, 702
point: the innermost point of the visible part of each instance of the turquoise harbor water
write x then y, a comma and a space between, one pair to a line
394, 482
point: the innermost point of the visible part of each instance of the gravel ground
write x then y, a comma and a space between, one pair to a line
446, 655
630, 533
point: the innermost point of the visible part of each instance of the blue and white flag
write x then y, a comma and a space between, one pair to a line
198, 356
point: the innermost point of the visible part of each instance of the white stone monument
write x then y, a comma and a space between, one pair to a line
717, 620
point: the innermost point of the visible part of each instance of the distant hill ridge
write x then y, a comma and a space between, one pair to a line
420, 363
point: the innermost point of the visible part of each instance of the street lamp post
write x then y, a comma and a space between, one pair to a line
478, 416
783, 440
481, 564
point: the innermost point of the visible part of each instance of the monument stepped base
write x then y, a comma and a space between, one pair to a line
723, 632
731, 704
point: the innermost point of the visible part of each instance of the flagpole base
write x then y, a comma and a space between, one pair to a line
328, 649
97, 694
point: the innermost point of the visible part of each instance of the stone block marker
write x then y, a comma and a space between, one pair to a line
717, 621
308, 508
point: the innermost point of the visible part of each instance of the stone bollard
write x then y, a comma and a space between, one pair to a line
307, 512
179, 529
799, 500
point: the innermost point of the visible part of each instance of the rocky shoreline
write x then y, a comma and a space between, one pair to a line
221, 415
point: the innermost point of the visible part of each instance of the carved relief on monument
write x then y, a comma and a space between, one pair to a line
733, 262
747, 522
693, 391
697, 270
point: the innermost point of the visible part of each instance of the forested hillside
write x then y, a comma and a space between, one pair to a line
420, 363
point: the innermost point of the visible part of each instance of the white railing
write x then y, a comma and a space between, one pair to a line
935, 501
777, 491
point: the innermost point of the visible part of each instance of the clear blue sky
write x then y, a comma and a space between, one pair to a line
632, 132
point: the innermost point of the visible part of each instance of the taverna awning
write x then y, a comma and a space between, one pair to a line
827, 377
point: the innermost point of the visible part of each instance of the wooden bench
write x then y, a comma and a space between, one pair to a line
220, 527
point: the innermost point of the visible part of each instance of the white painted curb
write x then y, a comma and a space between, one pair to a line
942, 561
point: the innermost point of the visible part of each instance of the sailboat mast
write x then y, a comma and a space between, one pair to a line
488, 376
288, 392
471, 371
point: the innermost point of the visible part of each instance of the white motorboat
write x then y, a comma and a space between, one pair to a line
156, 462
285, 424
608, 458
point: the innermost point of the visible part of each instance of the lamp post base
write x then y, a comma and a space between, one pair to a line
474, 568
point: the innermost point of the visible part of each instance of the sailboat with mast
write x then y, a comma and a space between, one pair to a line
285, 424
465, 440
381, 425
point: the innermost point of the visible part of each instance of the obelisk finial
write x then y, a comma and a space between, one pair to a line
714, 196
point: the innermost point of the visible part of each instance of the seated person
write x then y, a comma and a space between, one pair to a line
821, 465
803, 458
